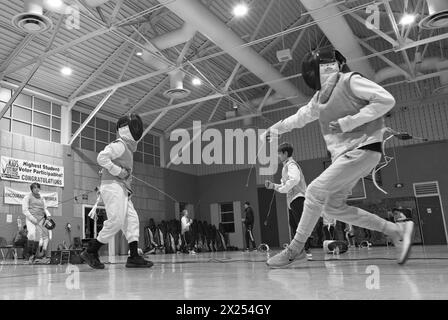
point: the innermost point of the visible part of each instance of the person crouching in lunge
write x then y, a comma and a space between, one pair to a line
117, 162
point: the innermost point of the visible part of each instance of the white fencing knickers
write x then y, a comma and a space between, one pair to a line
329, 193
120, 211
37, 232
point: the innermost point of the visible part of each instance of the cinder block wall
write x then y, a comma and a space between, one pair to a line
81, 176
29, 148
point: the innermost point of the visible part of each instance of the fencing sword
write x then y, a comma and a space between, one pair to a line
388, 159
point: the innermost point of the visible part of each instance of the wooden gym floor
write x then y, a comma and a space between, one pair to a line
358, 274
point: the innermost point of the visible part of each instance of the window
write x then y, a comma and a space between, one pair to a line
31, 116
227, 217
99, 132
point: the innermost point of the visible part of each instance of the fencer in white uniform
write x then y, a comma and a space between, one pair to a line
117, 162
35, 210
350, 110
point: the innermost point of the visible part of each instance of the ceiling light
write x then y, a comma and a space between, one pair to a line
54, 3
139, 53
196, 81
240, 10
407, 19
66, 71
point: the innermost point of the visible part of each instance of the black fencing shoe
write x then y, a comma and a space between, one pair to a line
92, 260
138, 262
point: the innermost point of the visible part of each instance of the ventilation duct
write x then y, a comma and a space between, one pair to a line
165, 41
203, 20
429, 64
32, 19
176, 90
426, 189
95, 3
438, 15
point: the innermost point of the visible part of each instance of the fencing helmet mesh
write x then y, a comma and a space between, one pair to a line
49, 224
318, 65
130, 124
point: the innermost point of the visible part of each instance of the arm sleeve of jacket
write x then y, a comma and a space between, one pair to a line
111, 152
380, 102
304, 115
293, 179
25, 207
46, 208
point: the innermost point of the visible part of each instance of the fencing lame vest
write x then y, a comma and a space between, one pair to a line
126, 161
36, 207
298, 189
336, 100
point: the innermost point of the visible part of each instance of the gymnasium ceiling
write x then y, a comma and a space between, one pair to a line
271, 25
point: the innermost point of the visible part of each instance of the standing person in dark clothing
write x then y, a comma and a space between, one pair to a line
249, 225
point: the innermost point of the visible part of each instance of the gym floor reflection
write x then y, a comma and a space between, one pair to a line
358, 274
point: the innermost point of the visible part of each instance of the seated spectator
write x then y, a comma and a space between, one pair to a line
329, 225
159, 238
21, 241
208, 234
398, 215
221, 239
151, 244
350, 235
203, 230
194, 234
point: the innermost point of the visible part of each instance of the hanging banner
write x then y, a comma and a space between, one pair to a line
31, 171
13, 196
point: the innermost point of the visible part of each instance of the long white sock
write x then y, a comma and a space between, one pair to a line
45, 244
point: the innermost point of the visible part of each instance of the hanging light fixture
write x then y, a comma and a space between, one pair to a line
240, 10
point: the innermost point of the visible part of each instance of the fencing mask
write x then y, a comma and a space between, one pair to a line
130, 126
49, 224
319, 65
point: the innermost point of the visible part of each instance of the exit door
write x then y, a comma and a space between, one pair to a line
431, 220
92, 227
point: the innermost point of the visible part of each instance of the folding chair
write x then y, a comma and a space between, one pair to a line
4, 245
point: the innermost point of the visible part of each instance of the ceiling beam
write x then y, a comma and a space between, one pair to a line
114, 14
64, 47
16, 52
154, 122
414, 44
36, 66
183, 104
91, 115
184, 116
102, 102
362, 21
386, 60
98, 71
149, 95
252, 37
